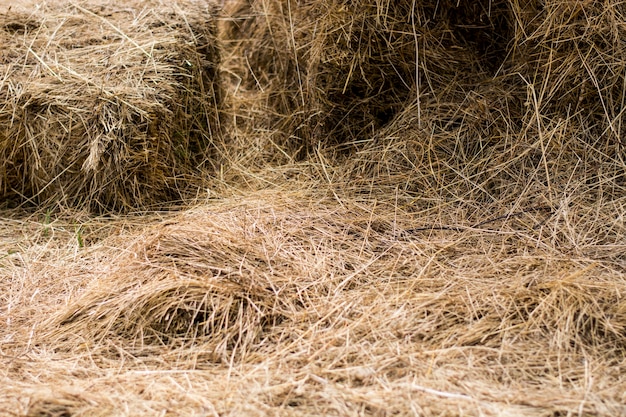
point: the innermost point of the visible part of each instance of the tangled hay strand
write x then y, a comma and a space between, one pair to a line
498, 74
464, 152
473, 154
107, 106
546, 124
466, 258
186, 282
181, 287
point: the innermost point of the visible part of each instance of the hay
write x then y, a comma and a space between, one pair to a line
333, 72
184, 291
178, 287
544, 121
300, 305
107, 107
572, 57
462, 254
330, 75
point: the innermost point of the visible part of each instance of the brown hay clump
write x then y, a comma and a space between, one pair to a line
106, 106
502, 91
255, 294
202, 282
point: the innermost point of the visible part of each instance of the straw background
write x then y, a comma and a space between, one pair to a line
394, 208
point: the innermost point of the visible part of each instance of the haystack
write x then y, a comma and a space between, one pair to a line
518, 107
485, 81
107, 106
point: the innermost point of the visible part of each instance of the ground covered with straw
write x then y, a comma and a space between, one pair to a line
399, 208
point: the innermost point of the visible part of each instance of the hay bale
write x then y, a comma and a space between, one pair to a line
333, 72
106, 106
550, 115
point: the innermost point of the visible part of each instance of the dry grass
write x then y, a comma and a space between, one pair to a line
106, 106
462, 255
279, 304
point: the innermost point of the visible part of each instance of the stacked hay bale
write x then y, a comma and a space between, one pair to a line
549, 119
107, 106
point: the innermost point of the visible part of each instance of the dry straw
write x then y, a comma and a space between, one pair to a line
308, 306
421, 211
107, 106
334, 72
482, 73
545, 125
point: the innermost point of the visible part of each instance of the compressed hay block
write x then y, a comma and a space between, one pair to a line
107, 106
325, 69
332, 72
554, 99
